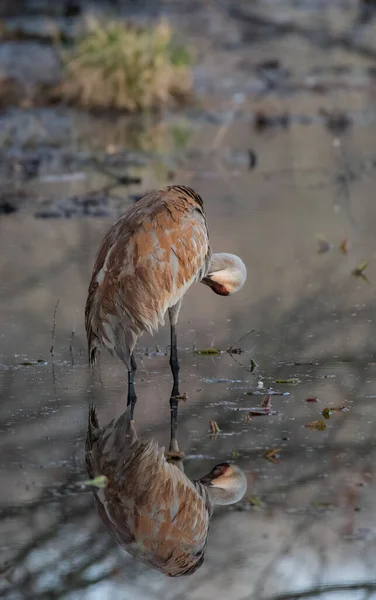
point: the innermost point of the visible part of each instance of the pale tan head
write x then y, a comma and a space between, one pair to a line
225, 483
227, 274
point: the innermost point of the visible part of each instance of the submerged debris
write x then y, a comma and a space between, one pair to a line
312, 399
263, 121
319, 425
344, 246
336, 121
323, 244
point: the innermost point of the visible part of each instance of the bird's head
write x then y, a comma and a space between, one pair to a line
226, 275
225, 483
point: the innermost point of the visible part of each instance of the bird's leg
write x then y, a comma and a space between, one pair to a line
132, 398
175, 394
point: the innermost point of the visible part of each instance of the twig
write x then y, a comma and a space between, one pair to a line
52, 349
246, 335
71, 338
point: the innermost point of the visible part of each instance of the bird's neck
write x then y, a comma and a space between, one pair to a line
215, 496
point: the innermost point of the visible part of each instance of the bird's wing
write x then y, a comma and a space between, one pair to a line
146, 262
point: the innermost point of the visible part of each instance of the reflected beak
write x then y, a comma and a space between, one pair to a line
207, 480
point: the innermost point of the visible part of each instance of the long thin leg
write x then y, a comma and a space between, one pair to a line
175, 394
174, 400
132, 398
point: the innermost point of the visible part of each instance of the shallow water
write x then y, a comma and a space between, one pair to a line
308, 520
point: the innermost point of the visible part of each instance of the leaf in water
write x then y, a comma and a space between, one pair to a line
208, 352
100, 481
359, 271
235, 453
289, 380
323, 245
247, 418
312, 399
319, 425
254, 365
266, 402
214, 427
272, 455
327, 412
344, 246
255, 501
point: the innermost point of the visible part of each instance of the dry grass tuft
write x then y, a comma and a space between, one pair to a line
127, 68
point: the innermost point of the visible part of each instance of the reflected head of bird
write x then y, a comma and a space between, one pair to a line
226, 275
226, 484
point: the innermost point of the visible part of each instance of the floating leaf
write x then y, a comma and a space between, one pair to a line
99, 482
327, 412
266, 402
235, 453
289, 380
255, 501
312, 399
319, 425
254, 365
208, 352
358, 271
272, 455
30, 363
214, 427
344, 246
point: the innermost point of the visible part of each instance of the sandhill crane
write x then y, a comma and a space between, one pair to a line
149, 505
146, 262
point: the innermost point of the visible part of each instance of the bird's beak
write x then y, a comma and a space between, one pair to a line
207, 480
218, 288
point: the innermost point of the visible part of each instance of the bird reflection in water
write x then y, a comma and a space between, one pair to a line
151, 508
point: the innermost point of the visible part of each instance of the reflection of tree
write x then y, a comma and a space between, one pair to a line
367, 587
60, 532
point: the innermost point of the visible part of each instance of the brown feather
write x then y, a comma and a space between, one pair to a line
145, 264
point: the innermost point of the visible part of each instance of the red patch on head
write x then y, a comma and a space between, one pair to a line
221, 469
220, 289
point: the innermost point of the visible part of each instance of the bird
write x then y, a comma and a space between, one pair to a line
144, 265
150, 507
